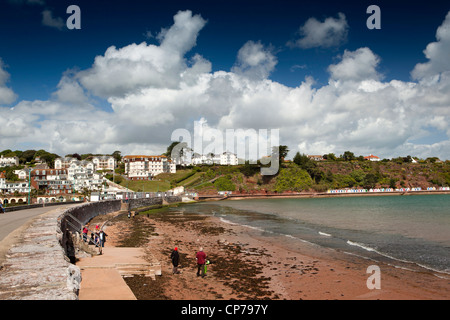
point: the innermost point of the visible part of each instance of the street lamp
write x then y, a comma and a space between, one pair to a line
29, 186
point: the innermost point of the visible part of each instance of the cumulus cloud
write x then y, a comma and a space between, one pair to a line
356, 65
153, 90
255, 61
331, 32
437, 54
7, 95
139, 66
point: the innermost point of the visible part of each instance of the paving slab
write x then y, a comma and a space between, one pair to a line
102, 275
103, 284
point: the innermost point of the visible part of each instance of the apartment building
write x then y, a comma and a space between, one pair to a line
8, 161
53, 181
104, 162
12, 187
224, 159
64, 163
82, 175
142, 167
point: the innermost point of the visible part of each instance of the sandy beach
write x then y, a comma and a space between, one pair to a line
245, 265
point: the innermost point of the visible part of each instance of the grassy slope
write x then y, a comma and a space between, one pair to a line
335, 174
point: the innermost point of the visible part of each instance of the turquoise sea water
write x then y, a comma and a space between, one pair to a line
408, 231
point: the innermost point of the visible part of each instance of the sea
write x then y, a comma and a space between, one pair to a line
409, 231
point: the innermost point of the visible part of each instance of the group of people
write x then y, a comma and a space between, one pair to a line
98, 237
201, 262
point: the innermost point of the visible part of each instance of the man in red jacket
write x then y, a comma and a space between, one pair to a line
201, 259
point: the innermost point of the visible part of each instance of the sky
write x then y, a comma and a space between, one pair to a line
138, 70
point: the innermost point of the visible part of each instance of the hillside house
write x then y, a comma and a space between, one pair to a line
371, 157
142, 167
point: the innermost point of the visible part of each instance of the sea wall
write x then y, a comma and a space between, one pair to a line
147, 202
37, 266
40, 265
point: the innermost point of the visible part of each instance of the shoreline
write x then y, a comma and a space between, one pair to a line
320, 195
248, 265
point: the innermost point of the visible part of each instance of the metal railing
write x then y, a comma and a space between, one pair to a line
77, 225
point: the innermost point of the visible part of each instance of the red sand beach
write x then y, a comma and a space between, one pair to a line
246, 265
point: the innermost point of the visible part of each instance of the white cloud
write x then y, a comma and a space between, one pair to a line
7, 95
139, 66
437, 54
255, 61
329, 33
50, 21
154, 89
356, 65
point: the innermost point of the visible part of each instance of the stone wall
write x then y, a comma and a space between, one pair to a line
144, 202
147, 202
38, 267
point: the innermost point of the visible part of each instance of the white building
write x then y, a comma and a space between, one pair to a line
82, 175
140, 167
229, 159
11, 187
371, 157
9, 161
64, 163
104, 162
22, 174
224, 159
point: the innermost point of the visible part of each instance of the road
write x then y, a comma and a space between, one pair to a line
10, 221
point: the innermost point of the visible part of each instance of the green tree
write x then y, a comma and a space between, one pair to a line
117, 155
348, 156
358, 175
330, 156
27, 156
293, 179
370, 180
283, 151
224, 184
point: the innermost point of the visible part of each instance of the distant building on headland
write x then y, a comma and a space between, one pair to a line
224, 159
315, 157
371, 157
142, 167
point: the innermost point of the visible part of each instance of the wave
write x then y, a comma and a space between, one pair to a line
324, 234
243, 225
367, 248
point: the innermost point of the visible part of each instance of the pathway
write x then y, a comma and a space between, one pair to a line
102, 275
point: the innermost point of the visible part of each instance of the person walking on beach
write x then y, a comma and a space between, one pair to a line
201, 259
102, 237
1, 208
175, 256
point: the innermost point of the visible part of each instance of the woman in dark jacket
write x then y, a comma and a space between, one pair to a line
175, 260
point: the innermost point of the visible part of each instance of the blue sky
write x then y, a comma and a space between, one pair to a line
37, 56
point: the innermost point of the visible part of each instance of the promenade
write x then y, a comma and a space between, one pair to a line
102, 275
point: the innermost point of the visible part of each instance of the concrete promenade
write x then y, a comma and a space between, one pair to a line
34, 265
